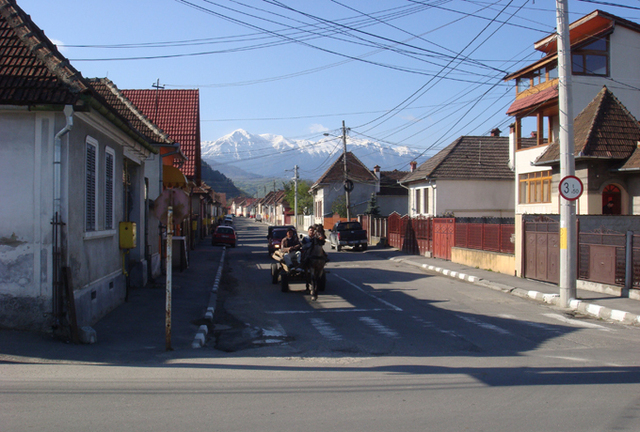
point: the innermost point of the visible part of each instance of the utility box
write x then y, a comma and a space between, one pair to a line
128, 236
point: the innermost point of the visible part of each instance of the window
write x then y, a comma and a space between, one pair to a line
425, 199
592, 58
417, 203
91, 184
109, 171
535, 188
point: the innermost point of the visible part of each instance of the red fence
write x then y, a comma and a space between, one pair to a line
485, 236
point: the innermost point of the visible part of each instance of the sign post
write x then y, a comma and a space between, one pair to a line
169, 276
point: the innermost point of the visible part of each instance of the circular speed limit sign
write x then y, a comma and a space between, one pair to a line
570, 188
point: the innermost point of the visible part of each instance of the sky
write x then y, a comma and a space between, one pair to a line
416, 73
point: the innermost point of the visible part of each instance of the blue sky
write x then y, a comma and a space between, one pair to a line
418, 73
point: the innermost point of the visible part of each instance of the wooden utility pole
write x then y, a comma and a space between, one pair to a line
347, 192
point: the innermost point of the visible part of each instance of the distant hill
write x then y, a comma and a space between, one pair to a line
219, 182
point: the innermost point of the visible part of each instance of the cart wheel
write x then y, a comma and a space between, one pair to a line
284, 282
274, 273
338, 247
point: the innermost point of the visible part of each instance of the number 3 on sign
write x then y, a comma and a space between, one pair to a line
570, 188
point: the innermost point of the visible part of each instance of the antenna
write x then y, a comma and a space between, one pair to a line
157, 86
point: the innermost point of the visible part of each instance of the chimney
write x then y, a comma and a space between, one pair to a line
413, 165
495, 132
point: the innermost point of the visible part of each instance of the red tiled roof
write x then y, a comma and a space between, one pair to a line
32, 70
130, 112
533, 100
177, 113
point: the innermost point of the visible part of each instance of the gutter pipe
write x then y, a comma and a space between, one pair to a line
56, 292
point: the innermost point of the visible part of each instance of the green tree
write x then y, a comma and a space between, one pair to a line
304, 198
339, 207
372, 206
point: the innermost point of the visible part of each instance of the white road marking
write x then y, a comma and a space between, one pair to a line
541, 326
484, 325
394, 307
379, 327
430, 325
577, 323
325, 329
315, 311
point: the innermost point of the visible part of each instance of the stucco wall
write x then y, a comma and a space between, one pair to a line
26, 187
466, 198
497, 262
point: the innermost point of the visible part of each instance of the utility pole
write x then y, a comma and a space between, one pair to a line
568, 234
346, 175
295, 195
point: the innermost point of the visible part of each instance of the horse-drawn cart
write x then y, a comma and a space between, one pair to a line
312, 273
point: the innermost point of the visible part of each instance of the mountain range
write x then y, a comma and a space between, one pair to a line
243, 156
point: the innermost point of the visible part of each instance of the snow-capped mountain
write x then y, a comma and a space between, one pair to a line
244, 155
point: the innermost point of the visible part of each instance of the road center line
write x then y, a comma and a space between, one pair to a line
394, 307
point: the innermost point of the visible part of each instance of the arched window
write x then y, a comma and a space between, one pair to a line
611, 200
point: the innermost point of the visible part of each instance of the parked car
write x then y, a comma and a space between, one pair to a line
348, 234
258, 217
275, 235
228, 220
224, 235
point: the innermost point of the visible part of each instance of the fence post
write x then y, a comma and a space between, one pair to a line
628, 279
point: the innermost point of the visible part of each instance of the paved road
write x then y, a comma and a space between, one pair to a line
387, 346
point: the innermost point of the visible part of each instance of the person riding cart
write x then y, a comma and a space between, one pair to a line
291, 247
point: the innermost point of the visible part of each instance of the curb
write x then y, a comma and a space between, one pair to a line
583, 307
203, 331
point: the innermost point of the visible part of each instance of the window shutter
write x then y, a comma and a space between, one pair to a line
91, 187
108, 204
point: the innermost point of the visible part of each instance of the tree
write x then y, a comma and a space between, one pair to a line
372, 206
304, 198
339, 206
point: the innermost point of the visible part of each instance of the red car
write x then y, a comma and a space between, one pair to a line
224, 235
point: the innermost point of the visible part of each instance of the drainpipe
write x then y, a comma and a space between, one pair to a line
56, 292
57, 158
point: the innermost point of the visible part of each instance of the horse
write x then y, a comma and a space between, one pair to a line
316, 277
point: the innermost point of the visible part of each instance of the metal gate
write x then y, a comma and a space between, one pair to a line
443, 237
602, 257
542, 249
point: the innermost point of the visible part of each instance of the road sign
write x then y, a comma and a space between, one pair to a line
570, 188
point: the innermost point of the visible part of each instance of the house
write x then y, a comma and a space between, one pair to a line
605, 135
601, 44
330, 187
390, 195
177, 113
73, 177
606, 153
470, 177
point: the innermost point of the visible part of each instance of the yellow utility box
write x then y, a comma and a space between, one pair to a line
128, 236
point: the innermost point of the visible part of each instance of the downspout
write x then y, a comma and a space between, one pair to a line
56, 292
57, 158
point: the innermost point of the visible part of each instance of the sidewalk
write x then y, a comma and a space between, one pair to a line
135, 330
597, 301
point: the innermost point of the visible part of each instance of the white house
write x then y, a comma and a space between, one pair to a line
72, 181
470, 177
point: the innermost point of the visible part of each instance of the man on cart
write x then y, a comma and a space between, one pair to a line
291, 247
